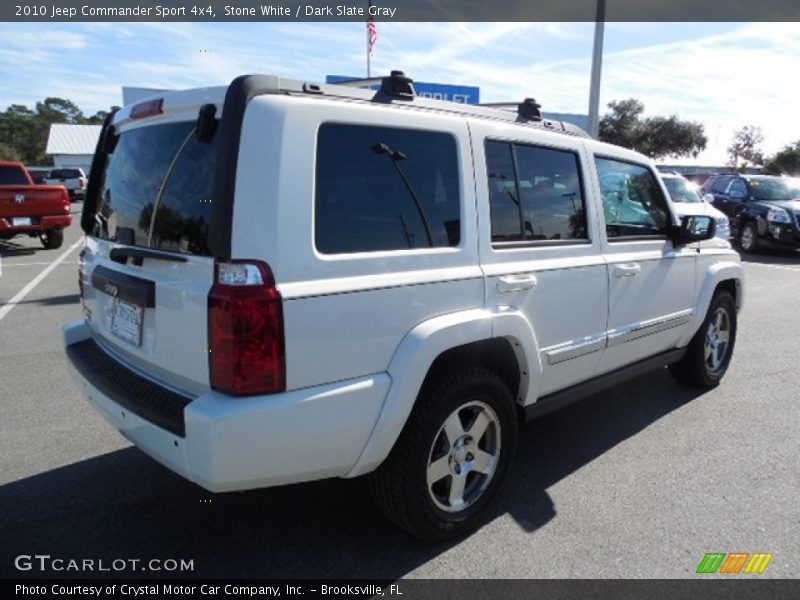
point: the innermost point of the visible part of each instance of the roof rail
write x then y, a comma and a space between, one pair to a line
396, 88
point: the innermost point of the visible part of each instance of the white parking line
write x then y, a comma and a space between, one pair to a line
781, 267
34, 264
20, 296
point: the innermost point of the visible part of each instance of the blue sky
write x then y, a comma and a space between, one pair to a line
724, 75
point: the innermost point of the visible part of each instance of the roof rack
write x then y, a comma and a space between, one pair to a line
527, 109
398, 88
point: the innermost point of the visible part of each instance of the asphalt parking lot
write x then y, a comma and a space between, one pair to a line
638, 482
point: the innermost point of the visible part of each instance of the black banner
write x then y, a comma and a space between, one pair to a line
399, 10
726, 588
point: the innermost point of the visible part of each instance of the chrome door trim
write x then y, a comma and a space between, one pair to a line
638, 330
575, 349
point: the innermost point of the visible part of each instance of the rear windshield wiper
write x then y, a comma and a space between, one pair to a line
121, 255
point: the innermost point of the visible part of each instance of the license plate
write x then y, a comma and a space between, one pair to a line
126, 321
21, 221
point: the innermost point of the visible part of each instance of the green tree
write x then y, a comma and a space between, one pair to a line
59, 110
24, 131
657, 136
744, 149
785, 162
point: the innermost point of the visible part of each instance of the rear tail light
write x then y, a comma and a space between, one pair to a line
82, 182
65, 200
245, 330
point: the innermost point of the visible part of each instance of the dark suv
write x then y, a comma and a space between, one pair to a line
764, 211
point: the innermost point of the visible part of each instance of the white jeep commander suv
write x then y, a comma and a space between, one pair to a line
284, 281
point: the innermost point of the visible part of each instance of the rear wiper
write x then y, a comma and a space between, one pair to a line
121, 255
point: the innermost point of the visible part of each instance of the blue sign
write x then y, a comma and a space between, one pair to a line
465, 94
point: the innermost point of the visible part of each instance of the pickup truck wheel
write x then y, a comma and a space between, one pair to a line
52, 238
748, 238
452, 458
711, 348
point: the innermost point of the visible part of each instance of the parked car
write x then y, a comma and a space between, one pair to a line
687, 201
764, 210
333, 282
73, 179
41, 211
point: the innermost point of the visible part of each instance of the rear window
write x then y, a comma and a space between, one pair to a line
10, 175
156, 190
385, 188
65, 174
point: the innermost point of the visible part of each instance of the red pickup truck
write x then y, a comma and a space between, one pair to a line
34, 210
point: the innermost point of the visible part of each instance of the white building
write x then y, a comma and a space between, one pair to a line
72, 145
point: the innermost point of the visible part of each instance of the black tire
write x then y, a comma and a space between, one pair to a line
400, 485
697, 368
748, 238
52, 238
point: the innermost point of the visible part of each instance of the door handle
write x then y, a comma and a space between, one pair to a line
627, 270
516, 283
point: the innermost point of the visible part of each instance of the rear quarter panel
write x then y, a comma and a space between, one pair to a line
345, 315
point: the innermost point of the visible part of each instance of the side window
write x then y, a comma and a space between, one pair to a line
385, 188
633, 202
737, 190
719, 185
535, 193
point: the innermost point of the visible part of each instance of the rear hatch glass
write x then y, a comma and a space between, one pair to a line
150, 312
156, 190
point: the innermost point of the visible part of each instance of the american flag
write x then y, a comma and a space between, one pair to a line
372, 32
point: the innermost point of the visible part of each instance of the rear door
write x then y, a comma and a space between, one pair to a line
147, 267
543, 254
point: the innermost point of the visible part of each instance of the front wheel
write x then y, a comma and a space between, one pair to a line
710, 351
452, 458
52, 238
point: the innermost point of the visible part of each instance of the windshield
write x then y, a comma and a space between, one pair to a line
12, 175
774, 189
681, 190
156, 190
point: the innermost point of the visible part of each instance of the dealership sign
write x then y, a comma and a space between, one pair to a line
466, 94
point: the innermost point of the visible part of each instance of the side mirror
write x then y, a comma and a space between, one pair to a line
693, 228
708, 198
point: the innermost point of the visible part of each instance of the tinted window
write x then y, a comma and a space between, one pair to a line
65, 174
633, 203
161, 169
534, 193
10, 175
384, 188
719, 185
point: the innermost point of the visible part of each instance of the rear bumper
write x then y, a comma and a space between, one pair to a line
225, 443
39, 224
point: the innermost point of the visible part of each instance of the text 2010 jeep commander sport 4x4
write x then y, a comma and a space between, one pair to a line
284, 281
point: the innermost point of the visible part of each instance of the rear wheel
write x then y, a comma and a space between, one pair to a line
452, 458
748, 238
52, 238
709, 353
